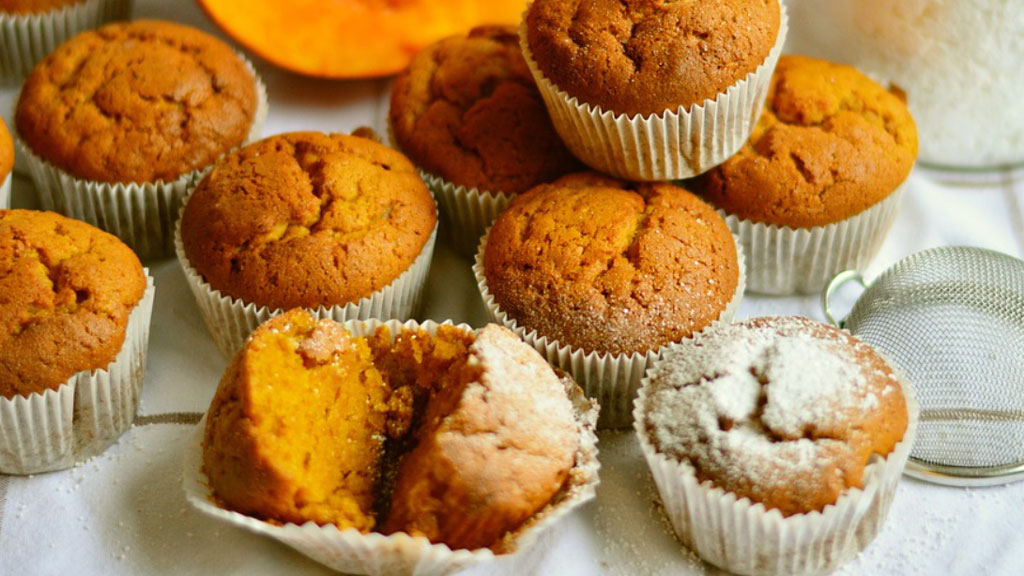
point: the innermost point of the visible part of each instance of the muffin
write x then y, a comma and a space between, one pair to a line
117, 122
647, 90
75, 311
469, 114
435, 439
31, 29
495, 443
816, 187
600, 275
776, 443
6, 165
286, 448
335, 223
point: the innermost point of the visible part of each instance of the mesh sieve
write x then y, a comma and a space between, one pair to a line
952, 319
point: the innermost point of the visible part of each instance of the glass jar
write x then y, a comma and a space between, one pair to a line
961, 63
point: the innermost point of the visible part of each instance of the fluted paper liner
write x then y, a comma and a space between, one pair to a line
468, 212
5, 192
783, 260
141, 214
82, 417
672, 145
230, 320
352, 552
611, 379
28, 38
746, 538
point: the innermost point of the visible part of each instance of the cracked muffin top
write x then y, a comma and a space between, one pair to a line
306, 220
137, 102
647, 56
781, 410
6, 152
467, 110
609, 266
66, 291
33, 6
830, 144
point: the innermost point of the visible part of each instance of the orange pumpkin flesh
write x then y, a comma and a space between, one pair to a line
350, 38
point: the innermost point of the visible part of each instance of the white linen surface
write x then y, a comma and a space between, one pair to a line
124, 512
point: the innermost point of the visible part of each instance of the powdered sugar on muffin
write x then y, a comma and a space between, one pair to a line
783, 411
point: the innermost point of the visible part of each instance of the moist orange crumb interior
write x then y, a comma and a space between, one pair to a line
297, 429
302, 419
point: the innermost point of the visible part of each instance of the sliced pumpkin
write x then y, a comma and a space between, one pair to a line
351, 38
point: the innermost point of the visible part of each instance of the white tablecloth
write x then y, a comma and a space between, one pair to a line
124, 512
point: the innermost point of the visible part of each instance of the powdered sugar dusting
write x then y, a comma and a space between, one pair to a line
765, 408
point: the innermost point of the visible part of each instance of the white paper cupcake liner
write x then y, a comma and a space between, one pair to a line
611, 379
672, 145
783, 260
230, 320
352, 552
140, 214
742, 537
82, 417
28, 38
468, 212
5, 192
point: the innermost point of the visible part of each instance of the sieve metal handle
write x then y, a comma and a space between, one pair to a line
830, 290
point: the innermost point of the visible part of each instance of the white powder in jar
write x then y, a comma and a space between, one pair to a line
958, 60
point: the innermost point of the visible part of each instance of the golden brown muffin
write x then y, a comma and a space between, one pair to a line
66, 291
781, 410
137, 102
648, 56
33, 6
830, 144
6, 152
609, 266
296, 430
467, 110
496, 443
306, 220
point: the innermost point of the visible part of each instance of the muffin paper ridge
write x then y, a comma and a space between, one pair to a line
27, 38
611, 379
401, 554
740, 536
82, 417
784, 260
141, 214
230, 320
468, 212
673, 145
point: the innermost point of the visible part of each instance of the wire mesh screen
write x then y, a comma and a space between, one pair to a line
953, 319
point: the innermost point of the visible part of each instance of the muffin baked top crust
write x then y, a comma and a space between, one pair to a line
467, 110
830, 144
33, 6
137, 102
66, 291
306, 220
647, 56
6, 152
609, 266
781, 410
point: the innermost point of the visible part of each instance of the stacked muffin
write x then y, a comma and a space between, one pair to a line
75, 311
117, 123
